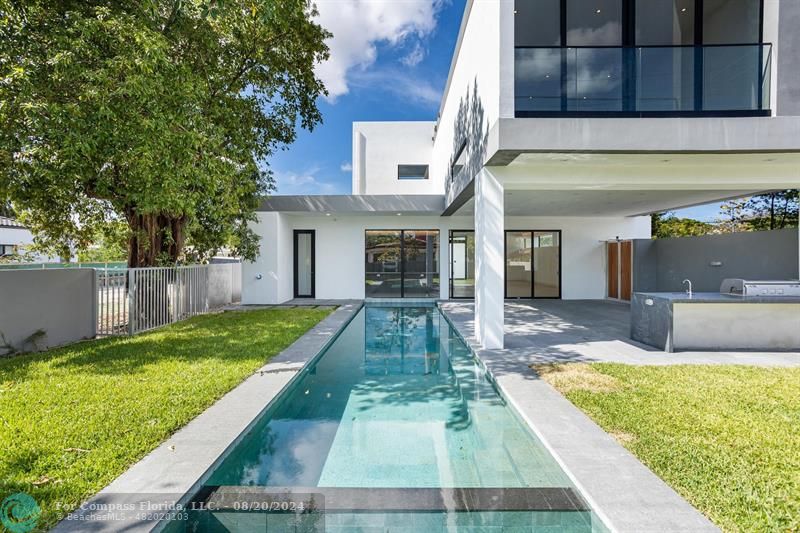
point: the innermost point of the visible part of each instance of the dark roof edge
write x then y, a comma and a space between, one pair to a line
431, 204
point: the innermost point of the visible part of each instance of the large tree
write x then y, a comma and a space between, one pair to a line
667, 225
159, 113
775, 210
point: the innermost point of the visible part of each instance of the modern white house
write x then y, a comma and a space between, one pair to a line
563, 125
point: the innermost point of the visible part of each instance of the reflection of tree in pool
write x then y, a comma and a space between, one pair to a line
397, 326
246, 460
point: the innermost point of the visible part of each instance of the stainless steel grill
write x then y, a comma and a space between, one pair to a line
743, 287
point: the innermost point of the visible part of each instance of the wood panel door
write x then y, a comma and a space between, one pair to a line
613, 269
620, 270
625, 267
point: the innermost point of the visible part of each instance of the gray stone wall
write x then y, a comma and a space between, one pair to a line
662, 264
40, 309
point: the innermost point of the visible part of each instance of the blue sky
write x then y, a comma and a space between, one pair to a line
389, 61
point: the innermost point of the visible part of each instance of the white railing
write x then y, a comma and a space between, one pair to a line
139, 299
112, 301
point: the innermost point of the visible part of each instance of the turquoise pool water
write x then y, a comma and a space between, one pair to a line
395, 427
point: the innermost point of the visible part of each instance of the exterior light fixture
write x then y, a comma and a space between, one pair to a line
598, 11
327, 214
399, 214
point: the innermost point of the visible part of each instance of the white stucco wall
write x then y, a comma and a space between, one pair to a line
379, 147
475, 68
340, 251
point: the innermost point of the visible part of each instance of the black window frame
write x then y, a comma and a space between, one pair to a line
533, 279
410, 175
461, 150
402, 260
629, 86
450, 266
295, 264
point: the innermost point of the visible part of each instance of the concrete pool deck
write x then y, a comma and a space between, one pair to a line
561, 331
621, 490
178, 465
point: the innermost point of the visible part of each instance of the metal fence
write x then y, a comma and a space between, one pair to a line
139, 299
112, 301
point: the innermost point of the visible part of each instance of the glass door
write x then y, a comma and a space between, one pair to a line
546, 264
519, 264
462, 264
303, 263
533, 264
401, 263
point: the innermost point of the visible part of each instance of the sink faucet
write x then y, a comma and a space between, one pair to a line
689, 292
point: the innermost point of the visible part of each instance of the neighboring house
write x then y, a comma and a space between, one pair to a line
563, 124
15, 239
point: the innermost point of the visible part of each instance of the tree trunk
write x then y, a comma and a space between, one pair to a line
156, 239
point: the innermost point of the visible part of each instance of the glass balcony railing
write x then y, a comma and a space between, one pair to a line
669, 80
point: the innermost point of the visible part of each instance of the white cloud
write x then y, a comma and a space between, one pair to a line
399, 82
346, 167
414, 57
305, 182
359, 25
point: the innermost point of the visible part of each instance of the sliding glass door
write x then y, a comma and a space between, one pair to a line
519, 270
533, 264
462, 264
402, 264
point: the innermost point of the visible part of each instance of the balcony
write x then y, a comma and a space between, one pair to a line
711, 80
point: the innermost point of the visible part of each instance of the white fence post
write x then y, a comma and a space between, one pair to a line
138, 299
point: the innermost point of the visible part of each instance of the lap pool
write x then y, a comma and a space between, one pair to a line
394, 427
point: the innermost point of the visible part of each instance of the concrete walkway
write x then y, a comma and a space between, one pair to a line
545, 331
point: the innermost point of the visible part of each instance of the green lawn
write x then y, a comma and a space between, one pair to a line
727, 438
72, 419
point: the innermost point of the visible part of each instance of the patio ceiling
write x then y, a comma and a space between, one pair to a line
618, 184
595, 203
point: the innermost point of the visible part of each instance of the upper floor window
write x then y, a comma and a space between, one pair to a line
412, 172
594, 23
665, 22
640, 56
537, 23
459, 161
731, 21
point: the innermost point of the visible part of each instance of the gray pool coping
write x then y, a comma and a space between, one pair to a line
178, 465
623, 492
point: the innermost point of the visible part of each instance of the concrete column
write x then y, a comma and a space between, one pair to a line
444, 262
489, 260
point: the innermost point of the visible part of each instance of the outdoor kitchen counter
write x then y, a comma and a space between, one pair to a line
711, 321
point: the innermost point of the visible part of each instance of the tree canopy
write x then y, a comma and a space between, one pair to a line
668, 225
159, 113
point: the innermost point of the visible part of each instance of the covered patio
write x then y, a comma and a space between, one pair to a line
553, 331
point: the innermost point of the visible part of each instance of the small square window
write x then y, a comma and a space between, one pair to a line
412, 172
